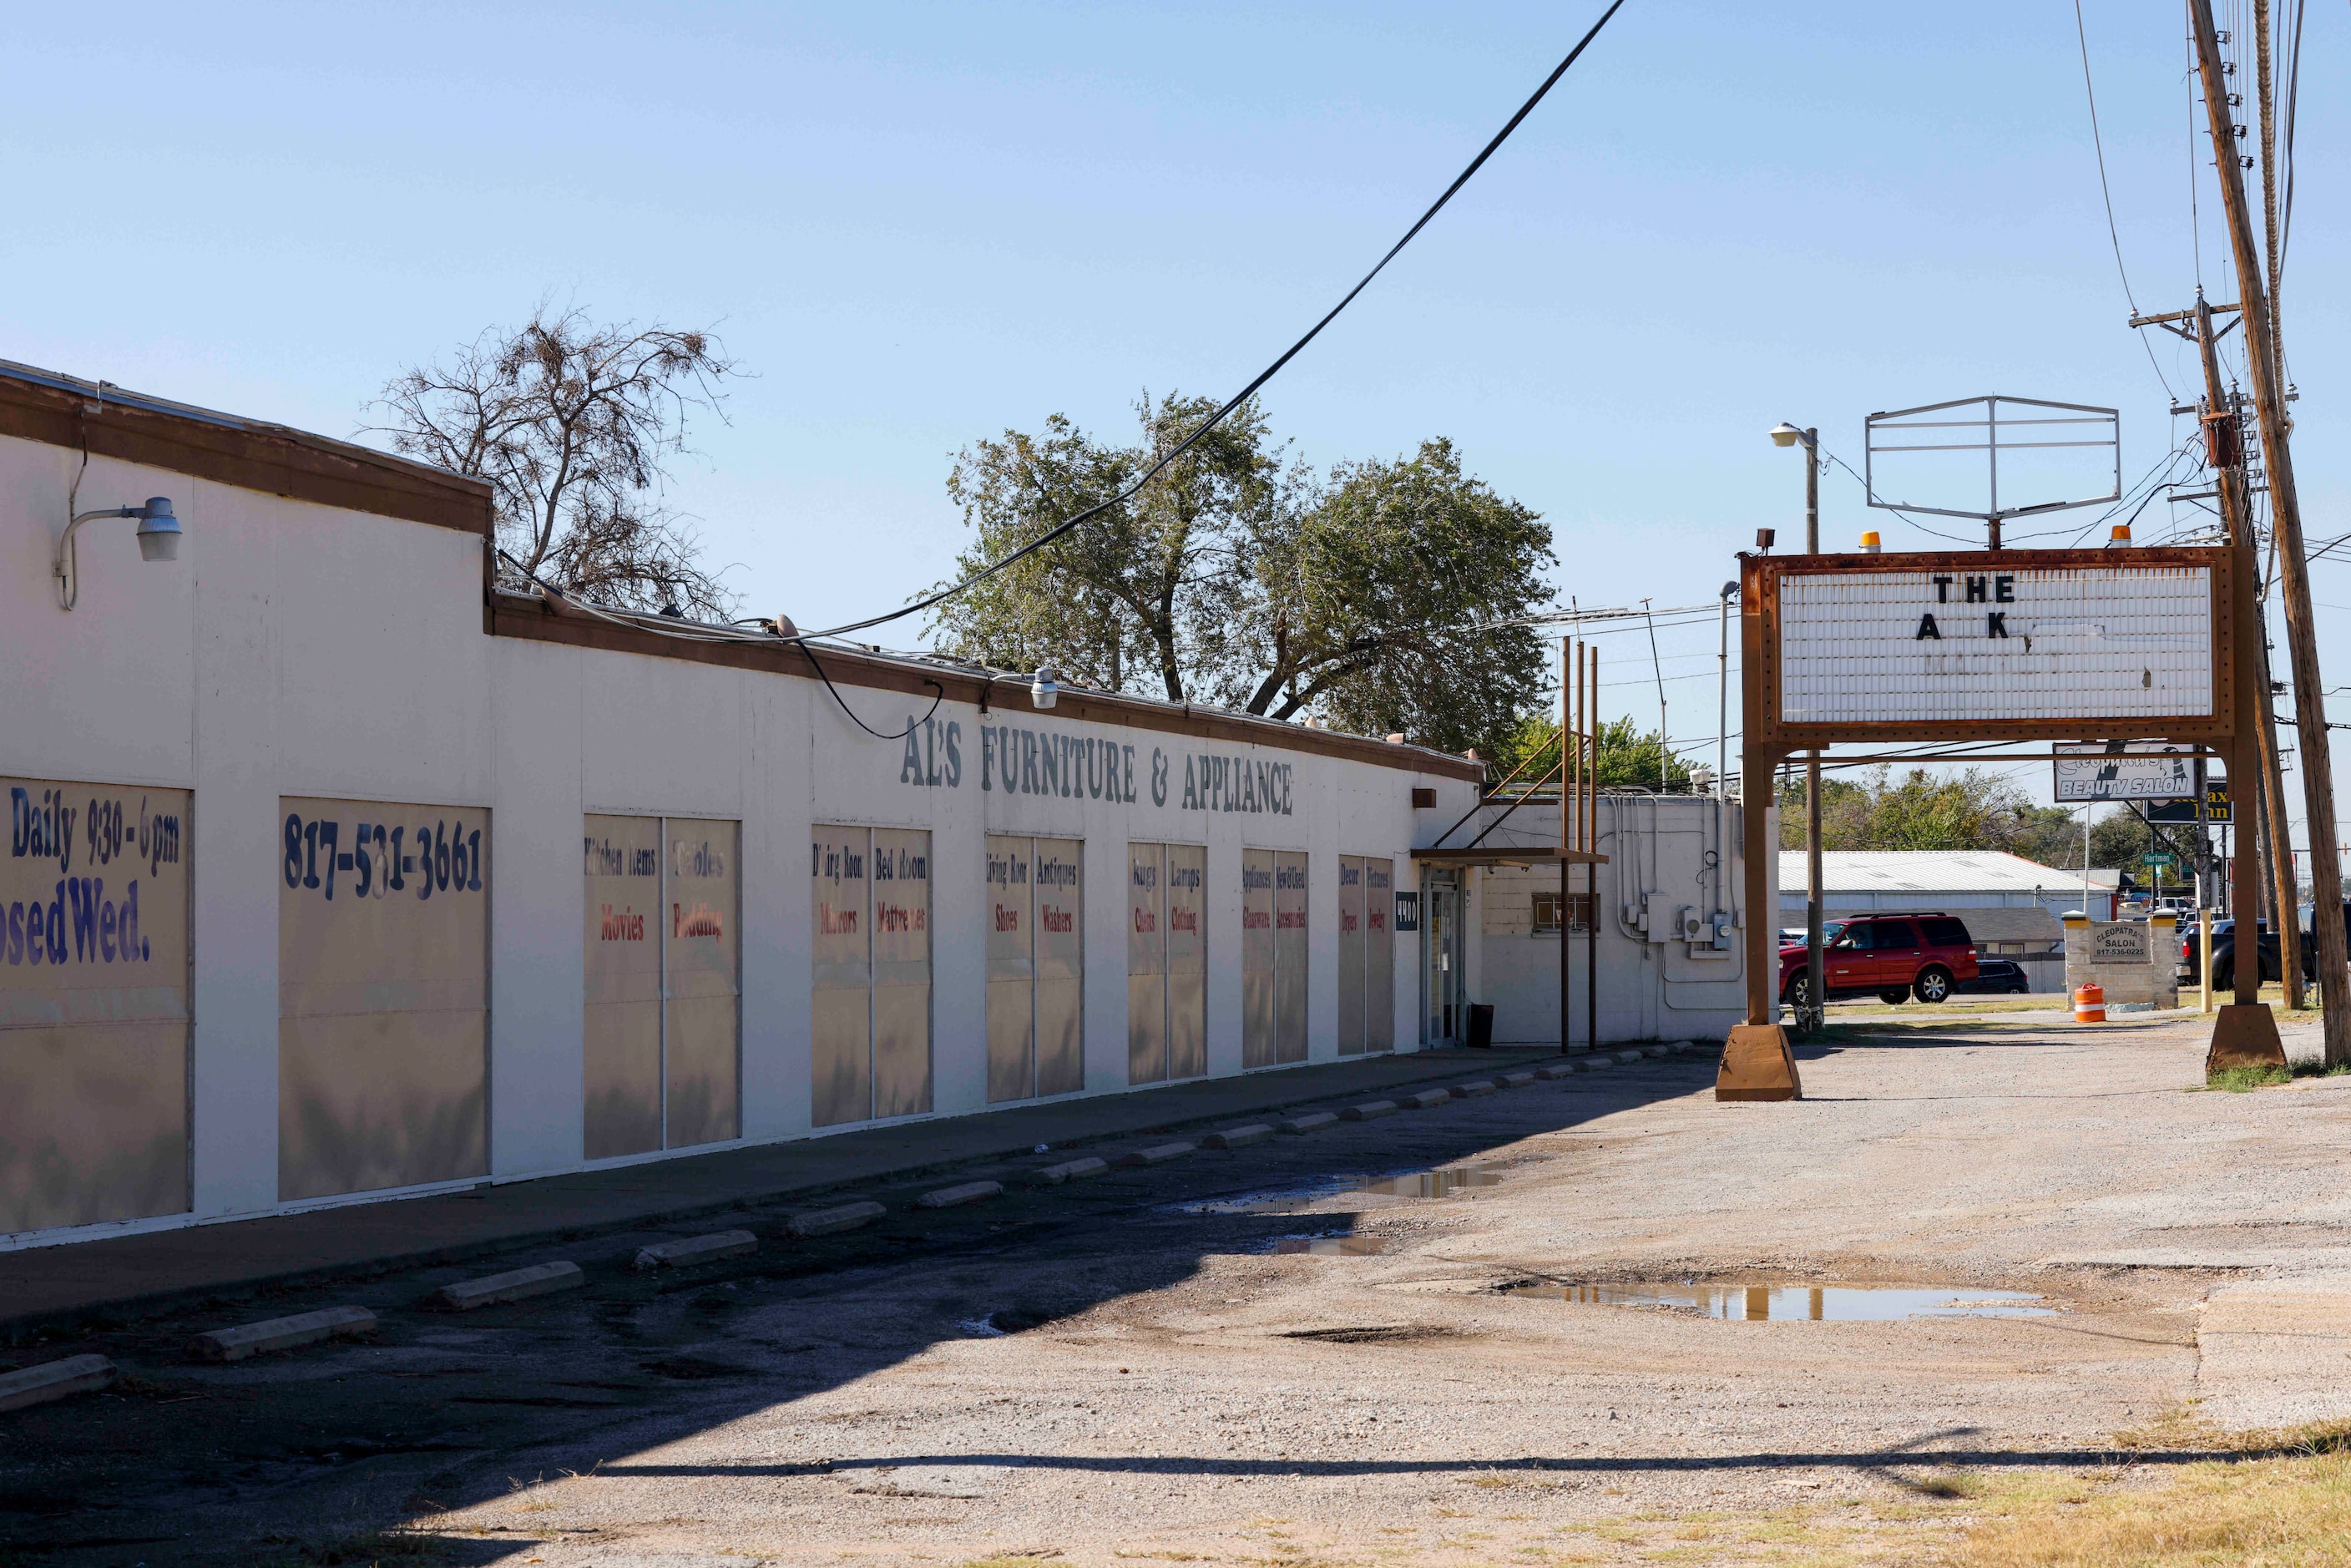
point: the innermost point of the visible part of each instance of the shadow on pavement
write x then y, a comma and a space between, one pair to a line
441, 1413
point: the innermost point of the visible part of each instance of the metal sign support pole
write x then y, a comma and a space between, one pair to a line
1591, 846
1570, 793
1757, 1063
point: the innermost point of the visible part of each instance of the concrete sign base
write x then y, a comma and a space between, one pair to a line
1757, 1065
2245, 1035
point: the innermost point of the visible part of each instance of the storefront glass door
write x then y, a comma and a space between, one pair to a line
1442, 1020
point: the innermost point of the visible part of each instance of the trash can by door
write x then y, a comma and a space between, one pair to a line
1481, 1026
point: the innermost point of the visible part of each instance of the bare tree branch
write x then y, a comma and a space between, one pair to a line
574, 424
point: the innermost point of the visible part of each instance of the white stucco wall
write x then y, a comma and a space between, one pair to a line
1650, 986
297, 649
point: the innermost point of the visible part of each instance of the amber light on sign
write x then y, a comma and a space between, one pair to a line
1981, 644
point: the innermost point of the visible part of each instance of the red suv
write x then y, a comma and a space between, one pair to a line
1920, 954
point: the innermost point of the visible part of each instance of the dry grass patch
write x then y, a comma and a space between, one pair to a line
2291, 1511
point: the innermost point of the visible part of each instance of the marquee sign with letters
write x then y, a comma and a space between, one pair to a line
2100, 648
1980, 645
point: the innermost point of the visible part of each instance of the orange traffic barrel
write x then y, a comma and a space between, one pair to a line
2090, 1004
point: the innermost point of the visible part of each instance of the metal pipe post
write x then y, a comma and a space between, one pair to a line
1571, 785
2204, 958
1815, 961
1592, 846
1755, 767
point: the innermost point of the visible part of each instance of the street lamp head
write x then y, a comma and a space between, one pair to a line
159, 539
1785, 434
1728, 590
159, 530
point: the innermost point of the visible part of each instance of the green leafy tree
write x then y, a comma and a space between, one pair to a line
1376, 606
1915, 810
2119, 839
1970, 810
1367, 597
2049, 835
1629, 758
1137, 599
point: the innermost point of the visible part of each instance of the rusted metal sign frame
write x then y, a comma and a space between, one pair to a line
1758, 1063
1991, 446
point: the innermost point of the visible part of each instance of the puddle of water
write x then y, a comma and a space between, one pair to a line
1433, 1184
1329, 1245
1272, 1200
1816, 1303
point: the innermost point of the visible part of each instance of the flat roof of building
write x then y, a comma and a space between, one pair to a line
1928, 871
108, 420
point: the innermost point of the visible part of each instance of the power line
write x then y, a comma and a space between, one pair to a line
1242, 396
1897, 511
2195, 219
2098, 142
1577, 617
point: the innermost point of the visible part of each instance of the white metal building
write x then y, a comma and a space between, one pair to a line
334, 874
1853, 881
1669, 962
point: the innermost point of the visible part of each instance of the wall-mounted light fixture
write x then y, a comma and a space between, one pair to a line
159, 539
1047, 689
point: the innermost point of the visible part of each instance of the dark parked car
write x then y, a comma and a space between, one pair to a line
2224, 950
2224, 955
1920, 953
1996, 977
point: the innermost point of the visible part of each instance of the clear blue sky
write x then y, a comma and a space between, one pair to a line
919, 225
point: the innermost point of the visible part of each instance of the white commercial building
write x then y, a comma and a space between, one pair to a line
1663, 959
335, 874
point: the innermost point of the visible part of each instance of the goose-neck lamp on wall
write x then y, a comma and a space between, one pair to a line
159, 539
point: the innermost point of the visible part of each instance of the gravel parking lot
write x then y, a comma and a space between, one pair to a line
1160, 1364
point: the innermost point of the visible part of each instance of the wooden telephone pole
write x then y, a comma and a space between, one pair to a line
2225, 453
2293, 571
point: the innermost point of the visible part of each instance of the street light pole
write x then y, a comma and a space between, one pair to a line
1811, 1016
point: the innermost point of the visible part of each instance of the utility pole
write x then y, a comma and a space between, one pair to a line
2294, 569
2224, 450
2267, 93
